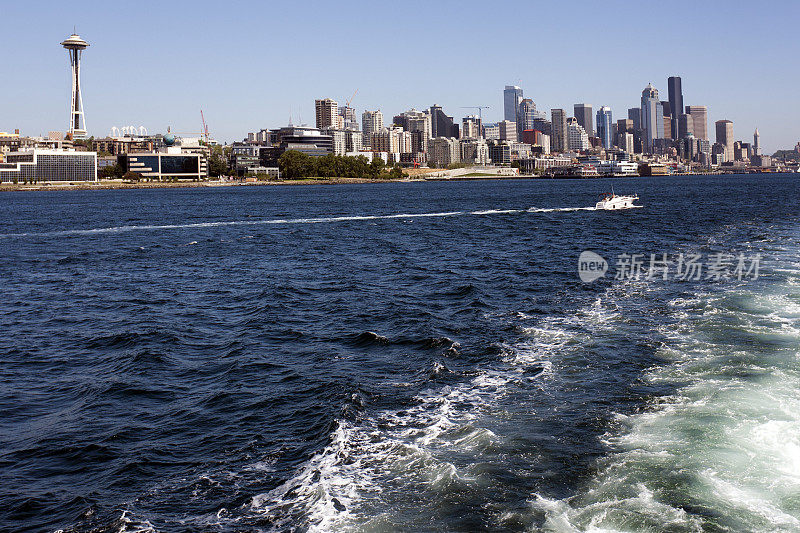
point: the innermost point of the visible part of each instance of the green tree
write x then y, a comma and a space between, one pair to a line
111, 171
132, 176
376, 167
396, 172
295, 164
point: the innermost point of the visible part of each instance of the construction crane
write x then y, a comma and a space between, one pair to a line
480, 109
351, 98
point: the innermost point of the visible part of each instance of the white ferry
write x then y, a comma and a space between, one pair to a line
611, 202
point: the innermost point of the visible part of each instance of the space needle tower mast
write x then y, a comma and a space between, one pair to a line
77, 122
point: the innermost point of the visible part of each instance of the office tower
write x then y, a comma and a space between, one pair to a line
371, 122
327, 113
583, 112
543, 125
725, 137
558, 127
685, 126
508, 131
699, 114
635, 114
604, 123
441, 124
675, 102
756, 143
512, 97
625, 142
527, 113
652, 118
77, 122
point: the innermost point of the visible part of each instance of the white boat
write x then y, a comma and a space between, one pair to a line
611, 202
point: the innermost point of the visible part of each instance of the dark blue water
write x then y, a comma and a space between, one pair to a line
397, 357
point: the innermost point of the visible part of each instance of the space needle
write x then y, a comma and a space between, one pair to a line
77, 122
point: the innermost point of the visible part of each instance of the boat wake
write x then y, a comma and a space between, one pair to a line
285, 221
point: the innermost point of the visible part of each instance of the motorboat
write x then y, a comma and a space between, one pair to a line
612, 202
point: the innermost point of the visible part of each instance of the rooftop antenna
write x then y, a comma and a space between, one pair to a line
290, 116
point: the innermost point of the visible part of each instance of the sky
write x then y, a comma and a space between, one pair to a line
252, 65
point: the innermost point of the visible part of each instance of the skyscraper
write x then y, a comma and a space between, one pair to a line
675, 102
512, 97
327, 113
527, 113
583, 112
558, 127
77, 122
699, 114
685, 126
652, 118
604, 122
757, 143
441, 124
725, 137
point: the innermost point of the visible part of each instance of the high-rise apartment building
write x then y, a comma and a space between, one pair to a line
604, 127
675, 102
577, 138
725, 137
512, 98
699, 114
471, 128
558, 127
327, 113
756, 143
652, 118
371, 122
583, 112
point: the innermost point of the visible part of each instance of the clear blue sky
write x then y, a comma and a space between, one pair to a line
247, 64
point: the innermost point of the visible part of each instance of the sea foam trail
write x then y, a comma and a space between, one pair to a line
393, 470
282, 221
722, 452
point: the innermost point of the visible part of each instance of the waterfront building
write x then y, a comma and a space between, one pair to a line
508, 131
512, 98
43, 165
699, 114
500, 153
724, 130
604, 127
583, 112
475, 151
652, 118
75, 46
578, 139
675, 103
527, 114
558, 134
443, 151
371, 122
441, 124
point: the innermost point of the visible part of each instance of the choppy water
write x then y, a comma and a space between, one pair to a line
398, 357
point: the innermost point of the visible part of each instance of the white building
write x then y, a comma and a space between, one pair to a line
577, 138
492, 132
508, 131
471, 127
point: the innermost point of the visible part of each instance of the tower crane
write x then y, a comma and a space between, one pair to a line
480, 109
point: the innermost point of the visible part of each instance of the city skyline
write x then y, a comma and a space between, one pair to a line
120, 85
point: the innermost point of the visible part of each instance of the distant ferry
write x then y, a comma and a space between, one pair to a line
611, 202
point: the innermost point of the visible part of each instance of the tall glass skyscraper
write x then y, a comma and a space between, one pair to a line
583, 112
512, 97
675, 102
652, 118
604, 127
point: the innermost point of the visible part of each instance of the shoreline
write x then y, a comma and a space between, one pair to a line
115, 184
